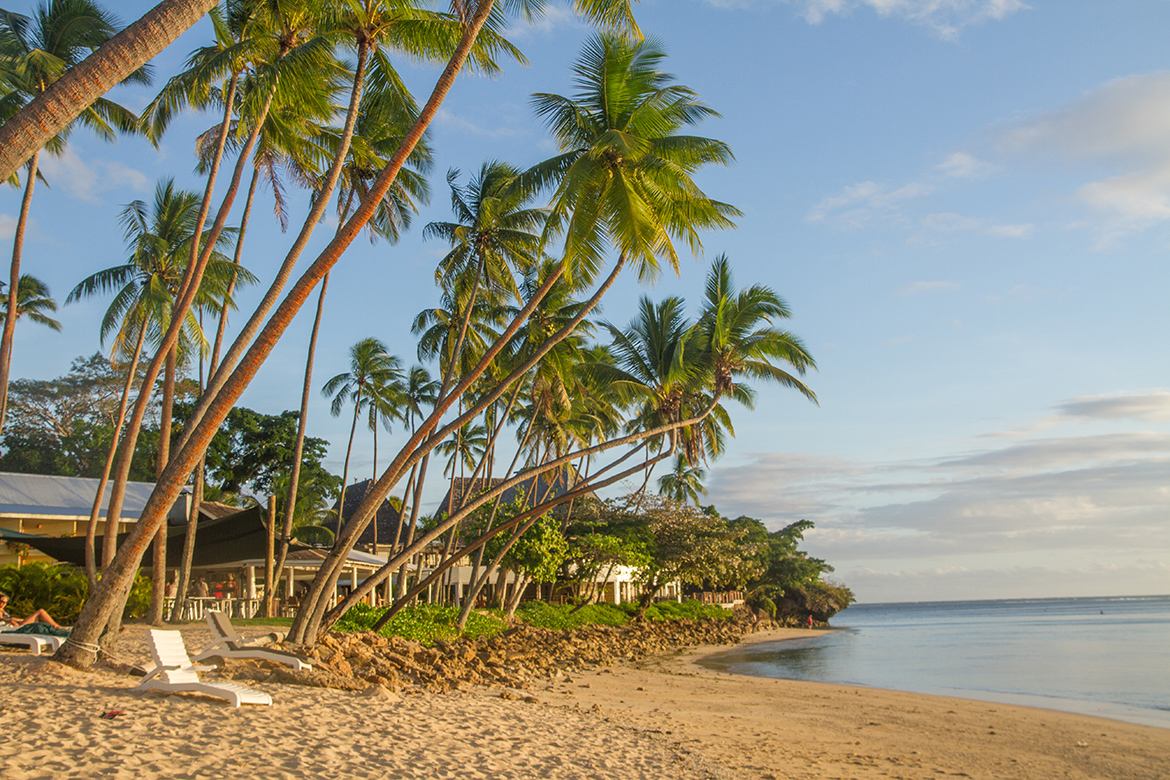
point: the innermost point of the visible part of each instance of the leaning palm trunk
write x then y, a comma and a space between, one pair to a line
80, 649
226, 370
158, 571
63, 101
527, 517
326, 580
290, 503
422, 473
95, 510
13, 285
183, 579
190, 284
507, 484
221, 327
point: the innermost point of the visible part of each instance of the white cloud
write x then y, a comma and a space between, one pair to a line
858, 204
1064, 498
1146, 407
555, 17
925, 287
945, 17
7, 226
963, 165
88, 180
936, 226
1122, 126
445, 118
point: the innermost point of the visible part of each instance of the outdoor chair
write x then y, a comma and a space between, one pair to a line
174, 673
36, 643
226, 642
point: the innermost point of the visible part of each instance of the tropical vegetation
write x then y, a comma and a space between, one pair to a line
529, 401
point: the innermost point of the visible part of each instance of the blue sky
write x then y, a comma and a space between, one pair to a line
965, 203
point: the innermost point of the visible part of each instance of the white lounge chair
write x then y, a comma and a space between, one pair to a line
227, 643
36, 643
174, 673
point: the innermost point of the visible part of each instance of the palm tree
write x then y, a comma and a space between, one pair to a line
683, 483
144, 291
370, 368
70, 96
34, 53
623, 177
101, 616
33, 299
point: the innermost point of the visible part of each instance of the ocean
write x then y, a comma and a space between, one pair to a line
1108, 657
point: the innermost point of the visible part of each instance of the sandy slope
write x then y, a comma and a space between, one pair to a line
685, 722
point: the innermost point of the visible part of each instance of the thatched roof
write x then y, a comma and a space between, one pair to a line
386, 522
535, 489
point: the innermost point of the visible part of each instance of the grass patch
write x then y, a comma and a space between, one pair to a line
423, 623
427, 623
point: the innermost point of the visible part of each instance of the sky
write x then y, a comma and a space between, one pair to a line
964, 202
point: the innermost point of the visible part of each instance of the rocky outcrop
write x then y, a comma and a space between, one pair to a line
514, 658
796, 605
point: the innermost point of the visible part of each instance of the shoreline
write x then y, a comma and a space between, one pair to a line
665, 716
1123, 713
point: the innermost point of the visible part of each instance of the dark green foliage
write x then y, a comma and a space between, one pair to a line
60, 590
252, 450
427, 623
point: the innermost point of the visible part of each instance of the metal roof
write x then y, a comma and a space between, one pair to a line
38, 495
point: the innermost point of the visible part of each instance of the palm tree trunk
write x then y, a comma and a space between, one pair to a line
320, 202
91, 526
183, 579
13, 286
191, 278
345, 469
294, 478
158, 572
109, 597
422, 473
223, 312
63, 101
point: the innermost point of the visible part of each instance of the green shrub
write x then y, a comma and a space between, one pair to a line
59, 589
423, 623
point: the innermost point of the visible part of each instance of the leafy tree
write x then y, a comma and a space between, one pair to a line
64, 426
253, 452
684, 544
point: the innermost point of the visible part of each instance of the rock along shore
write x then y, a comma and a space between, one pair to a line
514, 658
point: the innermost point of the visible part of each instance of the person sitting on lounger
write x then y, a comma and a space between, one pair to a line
40, 616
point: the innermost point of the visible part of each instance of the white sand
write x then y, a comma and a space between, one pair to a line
685, 722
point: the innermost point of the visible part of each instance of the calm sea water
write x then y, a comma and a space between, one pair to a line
1098, 656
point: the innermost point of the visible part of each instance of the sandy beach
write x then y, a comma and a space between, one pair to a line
665, 717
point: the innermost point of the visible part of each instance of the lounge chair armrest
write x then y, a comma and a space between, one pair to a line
158, 670
200, 668
216, 644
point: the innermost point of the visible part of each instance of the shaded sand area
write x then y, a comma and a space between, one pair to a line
663, 718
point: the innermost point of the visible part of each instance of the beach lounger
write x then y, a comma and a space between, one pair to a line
174, 673
227, 643
35, 643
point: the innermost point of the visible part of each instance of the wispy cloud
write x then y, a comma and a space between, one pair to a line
1145, 407
964, 165
1122, 126
7, 226
556, 16
1060, 496
858, 204
933, 228
88, 180
946, 18
447, 119
917, 288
